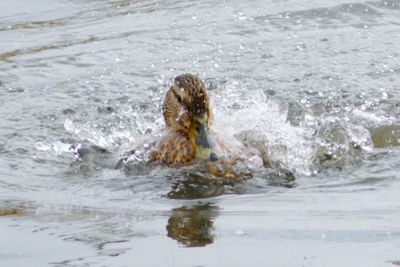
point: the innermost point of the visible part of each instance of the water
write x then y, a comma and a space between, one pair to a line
313, 84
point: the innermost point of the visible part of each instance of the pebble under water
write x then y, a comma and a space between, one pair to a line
312, 84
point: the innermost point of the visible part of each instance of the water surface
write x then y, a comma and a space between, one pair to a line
315, 84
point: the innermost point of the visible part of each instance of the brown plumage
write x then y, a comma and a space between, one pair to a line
174, 150
188, 117
187, 96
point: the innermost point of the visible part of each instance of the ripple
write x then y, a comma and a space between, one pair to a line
309, 90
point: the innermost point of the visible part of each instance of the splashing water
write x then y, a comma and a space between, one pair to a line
312, 85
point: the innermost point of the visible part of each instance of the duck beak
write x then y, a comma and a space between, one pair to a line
204, 144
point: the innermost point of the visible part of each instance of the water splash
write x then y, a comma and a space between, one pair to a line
263, 122
89, 132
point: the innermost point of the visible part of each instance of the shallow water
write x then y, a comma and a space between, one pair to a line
316, 85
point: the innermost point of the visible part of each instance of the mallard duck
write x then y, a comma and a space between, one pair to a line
188, 117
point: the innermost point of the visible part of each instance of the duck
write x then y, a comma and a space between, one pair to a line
189, 117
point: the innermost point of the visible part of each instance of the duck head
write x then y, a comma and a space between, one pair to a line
186, 110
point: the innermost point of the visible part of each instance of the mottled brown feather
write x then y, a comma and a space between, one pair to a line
187, 96
174, 150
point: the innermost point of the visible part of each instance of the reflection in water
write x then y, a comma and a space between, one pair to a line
193, 185
193, 226
196, 185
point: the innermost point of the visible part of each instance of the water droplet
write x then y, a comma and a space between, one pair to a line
240, 232
41, 146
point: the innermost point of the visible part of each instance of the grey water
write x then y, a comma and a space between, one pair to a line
315, 84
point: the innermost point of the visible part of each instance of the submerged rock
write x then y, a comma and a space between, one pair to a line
295, 114
333, 146
11, 211
384, 136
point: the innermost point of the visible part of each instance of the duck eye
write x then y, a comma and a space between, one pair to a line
197, 128
177, 96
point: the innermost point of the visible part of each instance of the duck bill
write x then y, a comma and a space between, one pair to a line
203, 143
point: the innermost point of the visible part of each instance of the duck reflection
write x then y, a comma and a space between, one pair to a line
193, 226
195, 185
190, 190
